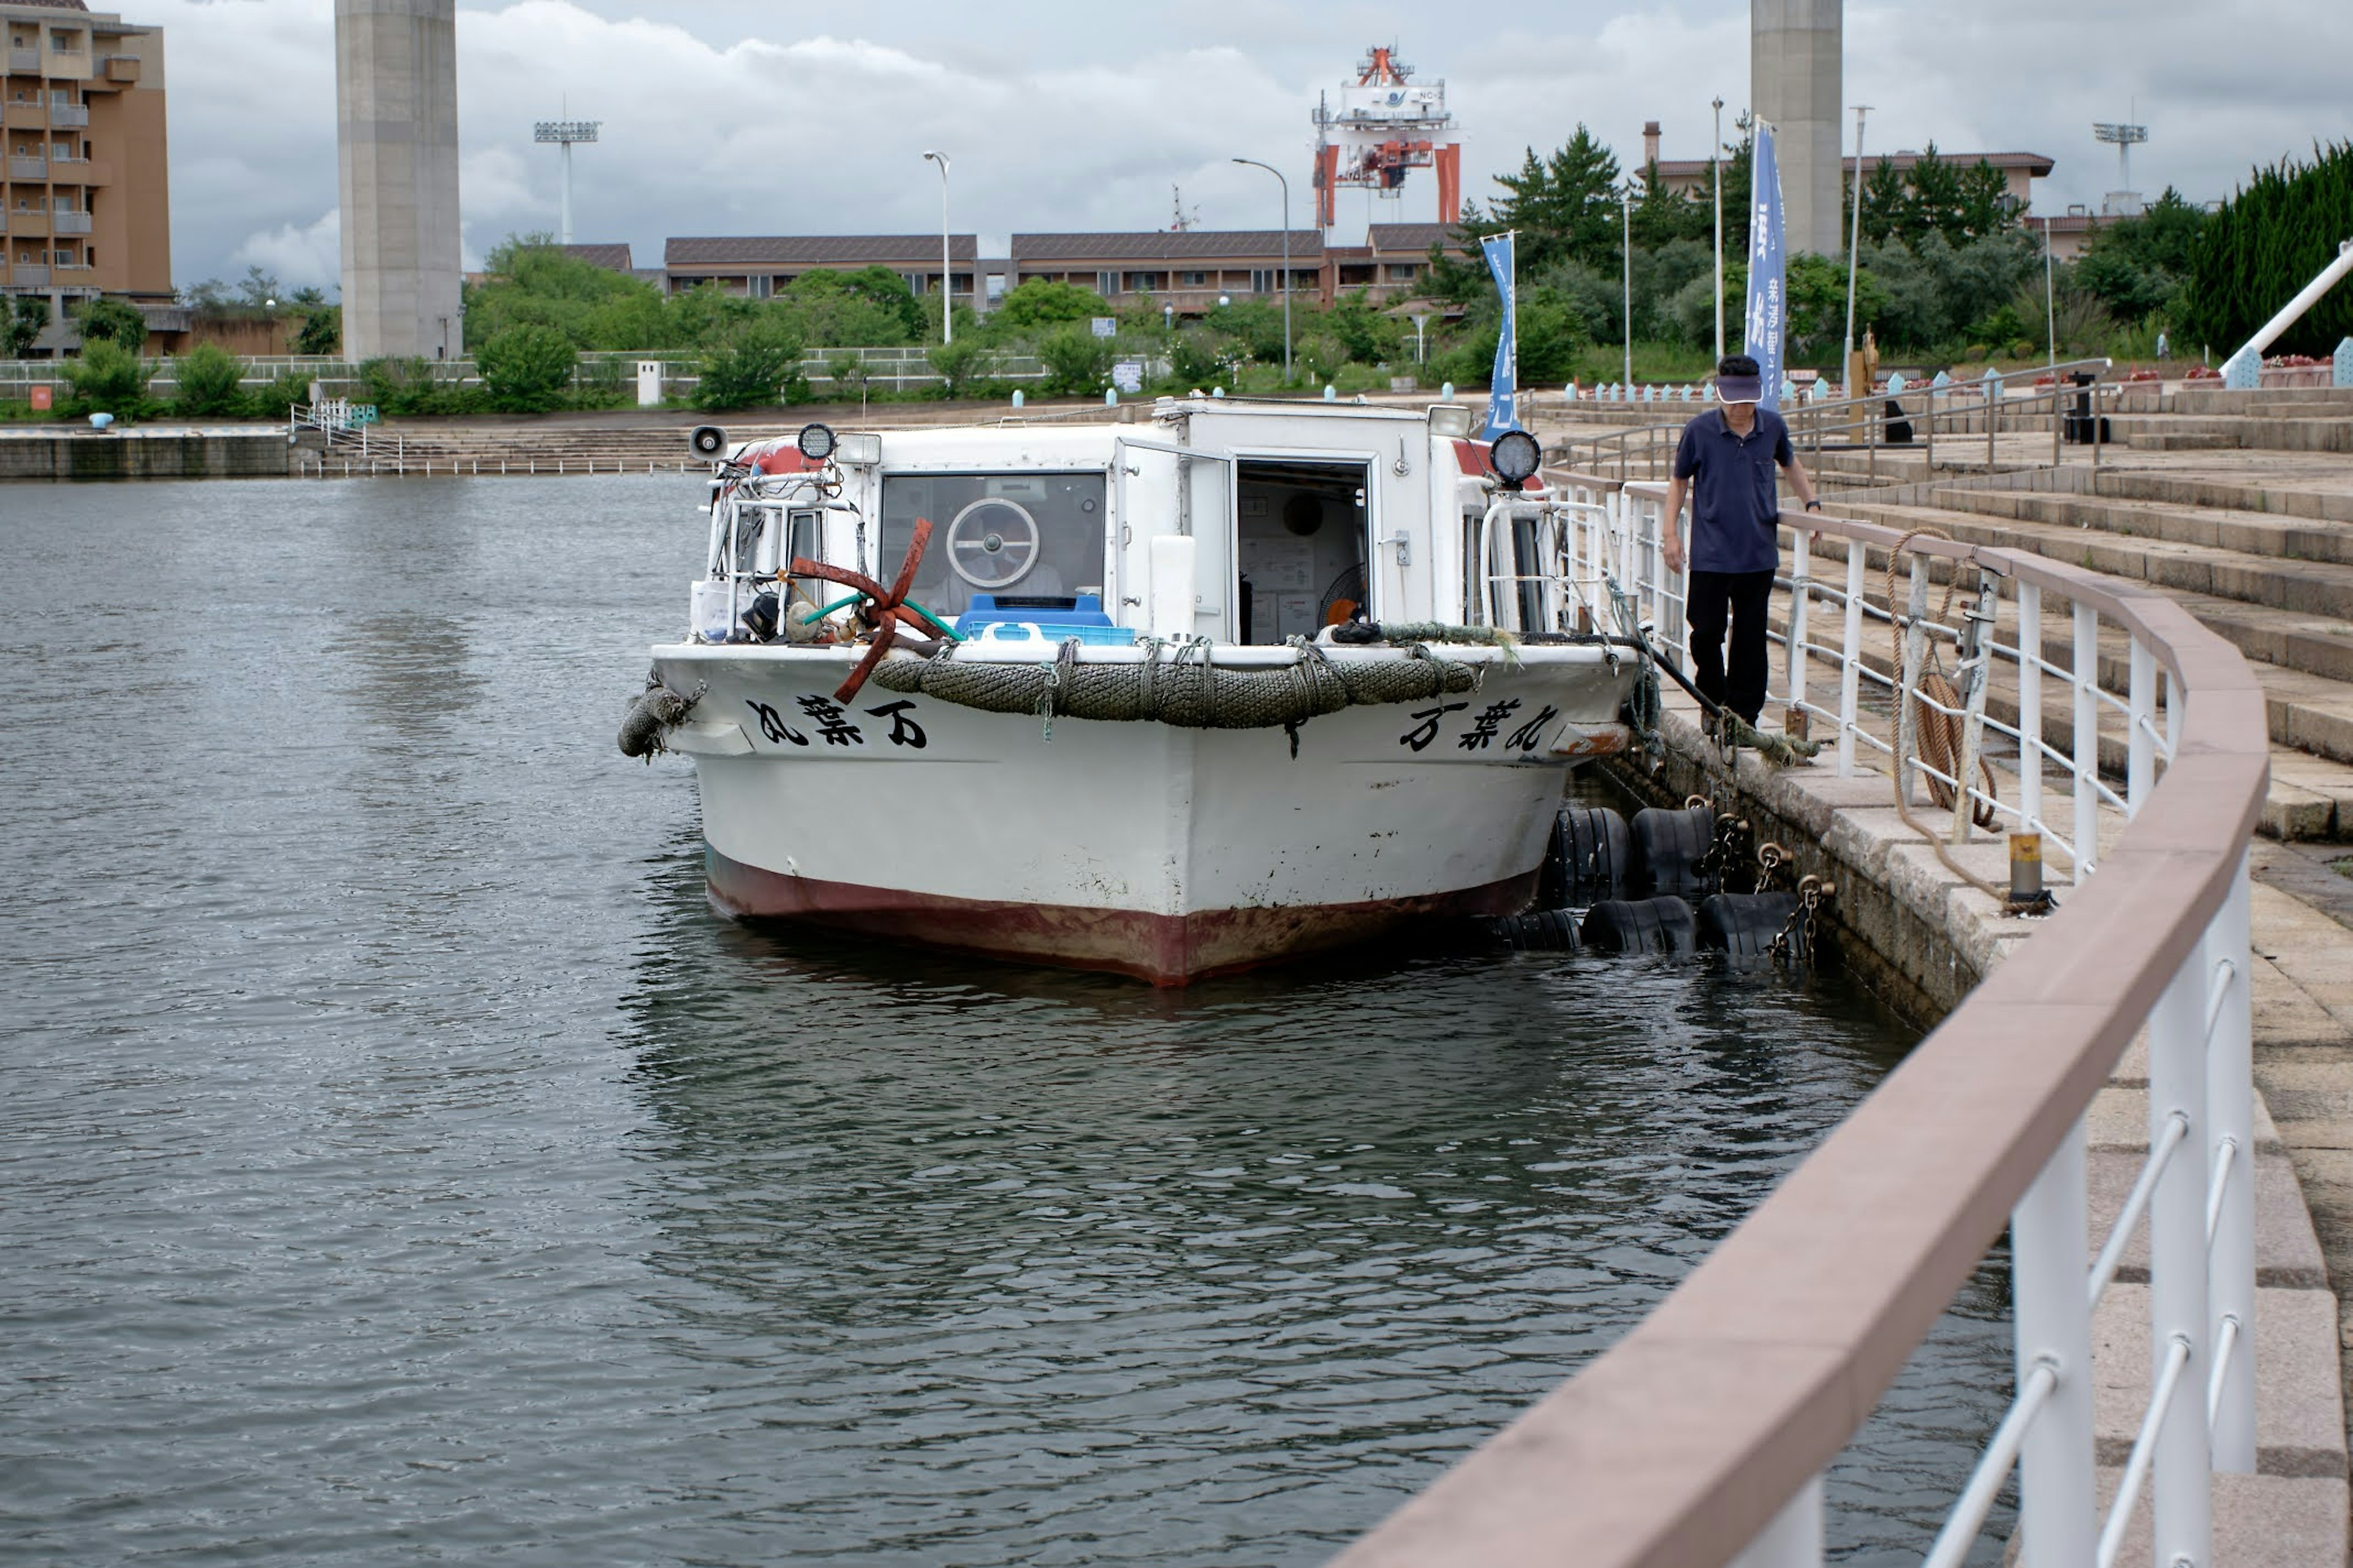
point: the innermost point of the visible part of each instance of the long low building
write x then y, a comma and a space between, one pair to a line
1188, 270
760, 265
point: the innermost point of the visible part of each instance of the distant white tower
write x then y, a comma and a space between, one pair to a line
396, 136
1794, 64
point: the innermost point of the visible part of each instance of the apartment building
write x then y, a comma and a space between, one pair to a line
85, 207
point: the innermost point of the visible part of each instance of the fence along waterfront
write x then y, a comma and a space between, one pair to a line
1699, 1439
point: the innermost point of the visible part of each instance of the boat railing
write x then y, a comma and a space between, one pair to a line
2069, 398
1700, 1438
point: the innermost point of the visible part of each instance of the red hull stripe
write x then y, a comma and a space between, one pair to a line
1166, 950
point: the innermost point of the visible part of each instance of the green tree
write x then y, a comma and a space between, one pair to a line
1662, 217
257, 289
321, 331
1369, 335
870, 308
1041, 303
1565, 206
2136, 268
959, 365
114, 320
27, 316
527, 370
1077, 362
749, 367
531, 281
208, 377
107, 378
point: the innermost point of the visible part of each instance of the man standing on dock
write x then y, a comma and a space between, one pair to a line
1725, 462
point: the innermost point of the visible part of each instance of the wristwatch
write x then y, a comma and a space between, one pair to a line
1813, 506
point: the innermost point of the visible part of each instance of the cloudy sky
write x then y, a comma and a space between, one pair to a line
784, 116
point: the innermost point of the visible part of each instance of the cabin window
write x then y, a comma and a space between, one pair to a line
1022, 536
1299, 547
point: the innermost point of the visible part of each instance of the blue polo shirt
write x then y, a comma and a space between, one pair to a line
1736, 507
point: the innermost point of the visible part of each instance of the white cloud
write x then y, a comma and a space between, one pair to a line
766, 116
296, 257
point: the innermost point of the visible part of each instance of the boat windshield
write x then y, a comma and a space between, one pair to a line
1025, 536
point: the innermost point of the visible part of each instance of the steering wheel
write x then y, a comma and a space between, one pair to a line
989, 557
993, 557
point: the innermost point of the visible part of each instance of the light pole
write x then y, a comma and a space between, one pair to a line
1419, 343
2050, 303
1853, 250
947, 274
1715, 178
1626, 234
1286, 259
563, 134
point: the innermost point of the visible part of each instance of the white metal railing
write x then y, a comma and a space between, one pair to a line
1700, 1438
2068, 397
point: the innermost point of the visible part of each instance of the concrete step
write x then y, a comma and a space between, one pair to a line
2310, 499
2254, 432
2250, 532
2306, 587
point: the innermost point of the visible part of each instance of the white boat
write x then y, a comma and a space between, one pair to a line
1352, 668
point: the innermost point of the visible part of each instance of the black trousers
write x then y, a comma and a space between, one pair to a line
1739, 684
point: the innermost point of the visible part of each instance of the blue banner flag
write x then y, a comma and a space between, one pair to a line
1503, 399
1767, 288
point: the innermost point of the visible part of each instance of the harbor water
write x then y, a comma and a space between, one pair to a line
402, 1163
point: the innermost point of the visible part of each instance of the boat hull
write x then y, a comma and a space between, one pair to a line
1164, 949
1168, 854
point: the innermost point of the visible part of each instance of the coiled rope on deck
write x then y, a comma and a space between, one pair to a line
1184, 688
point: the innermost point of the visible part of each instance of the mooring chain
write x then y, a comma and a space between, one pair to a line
1801, 923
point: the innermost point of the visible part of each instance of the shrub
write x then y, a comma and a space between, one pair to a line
114, 321
1199, 359
1077, 362
526, 370
848, 373
749, 367
272, 402
958, 364
207, 379
107, 379
1321, 356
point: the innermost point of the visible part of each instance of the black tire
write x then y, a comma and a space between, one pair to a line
1745, 924
708, 440
1544, 931
1640, 925
1668, 847
1587, 859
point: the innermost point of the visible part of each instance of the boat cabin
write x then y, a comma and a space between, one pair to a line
1229, 519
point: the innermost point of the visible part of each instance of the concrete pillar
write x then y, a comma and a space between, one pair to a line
396, 135
1794, 58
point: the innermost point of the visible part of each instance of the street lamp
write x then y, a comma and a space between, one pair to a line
947, 275
1715, 178
1626, 234
1853, 247
1419, 322
1286, 259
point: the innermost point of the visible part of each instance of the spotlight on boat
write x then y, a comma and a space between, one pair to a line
857, 450
1516, 456
1450, 419
816, 442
